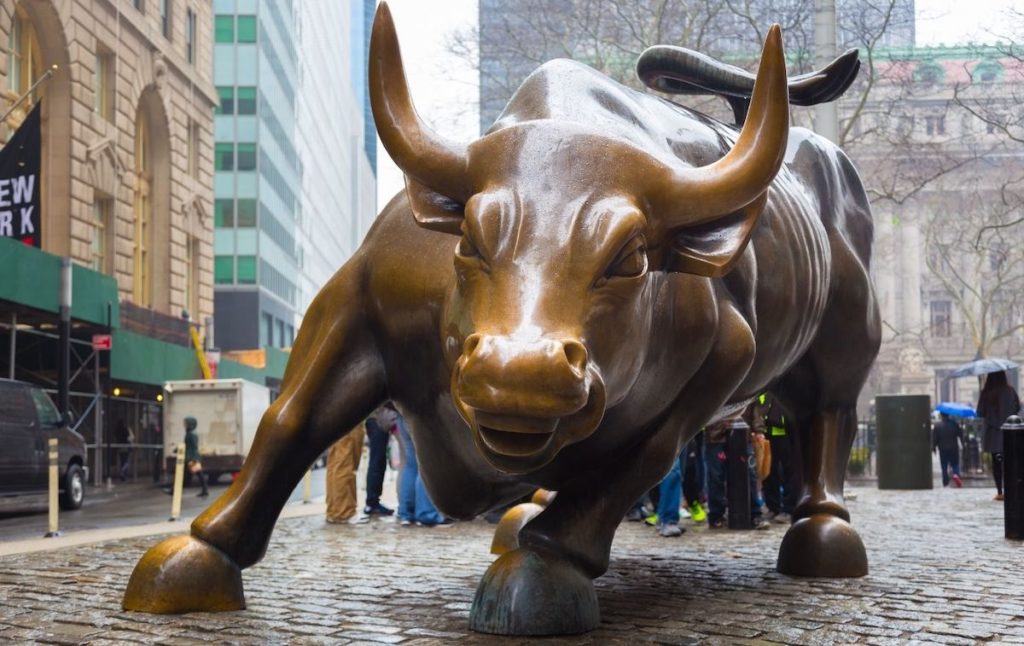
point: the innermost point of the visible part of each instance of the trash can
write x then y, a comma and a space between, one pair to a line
1013, 477
904, 441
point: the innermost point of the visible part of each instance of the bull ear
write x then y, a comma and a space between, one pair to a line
711, 249
433, 210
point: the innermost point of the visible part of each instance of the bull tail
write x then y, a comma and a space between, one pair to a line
677, 70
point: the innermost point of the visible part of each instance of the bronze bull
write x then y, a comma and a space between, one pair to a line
562, 304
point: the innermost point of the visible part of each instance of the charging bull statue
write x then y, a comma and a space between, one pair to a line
562, 304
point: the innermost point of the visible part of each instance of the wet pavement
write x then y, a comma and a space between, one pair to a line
941, 572
118, 505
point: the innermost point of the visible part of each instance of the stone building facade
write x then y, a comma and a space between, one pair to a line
938, 144
127, 120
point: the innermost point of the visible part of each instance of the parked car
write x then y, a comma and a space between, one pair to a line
28, 419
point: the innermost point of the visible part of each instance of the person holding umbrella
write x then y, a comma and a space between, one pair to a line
998, 400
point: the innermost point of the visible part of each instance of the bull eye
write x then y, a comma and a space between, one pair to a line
631, 261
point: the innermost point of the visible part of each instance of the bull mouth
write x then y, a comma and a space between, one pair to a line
519, 444
514, 436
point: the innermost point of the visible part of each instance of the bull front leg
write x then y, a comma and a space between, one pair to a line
333, 380
821, 542
545, 585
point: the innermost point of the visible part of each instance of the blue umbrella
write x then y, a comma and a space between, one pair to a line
955, 409
982, 367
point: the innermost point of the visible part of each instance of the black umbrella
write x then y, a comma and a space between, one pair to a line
982, 367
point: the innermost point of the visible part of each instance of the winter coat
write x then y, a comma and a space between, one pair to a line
945, 436
994, 407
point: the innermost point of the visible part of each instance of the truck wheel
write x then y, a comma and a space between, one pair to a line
212, 477
74, 488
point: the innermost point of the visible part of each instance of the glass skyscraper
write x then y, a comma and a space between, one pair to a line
293, 186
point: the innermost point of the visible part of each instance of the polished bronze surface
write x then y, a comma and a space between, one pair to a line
562, 304
506, 535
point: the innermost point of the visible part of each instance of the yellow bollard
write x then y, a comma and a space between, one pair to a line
179, 483
54, 487
307, 488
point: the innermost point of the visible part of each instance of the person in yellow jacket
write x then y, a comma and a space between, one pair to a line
782, 486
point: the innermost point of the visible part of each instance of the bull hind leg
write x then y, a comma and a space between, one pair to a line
330, 383
822, 392
821, 542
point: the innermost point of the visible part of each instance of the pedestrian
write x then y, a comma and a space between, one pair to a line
948, 439
716, 457
342, 464
192, 458
998, 400
673, 487
782, 486
414, 504
379, 425
125, 439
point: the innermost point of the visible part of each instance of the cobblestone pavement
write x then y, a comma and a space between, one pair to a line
941, 571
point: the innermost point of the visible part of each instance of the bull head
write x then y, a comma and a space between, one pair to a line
559, 225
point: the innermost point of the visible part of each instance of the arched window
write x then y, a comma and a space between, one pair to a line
24, 67
143, 213
24, 62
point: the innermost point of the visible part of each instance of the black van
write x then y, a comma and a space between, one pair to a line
28, 419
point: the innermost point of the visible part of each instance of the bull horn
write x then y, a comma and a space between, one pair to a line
420, 152
697, 195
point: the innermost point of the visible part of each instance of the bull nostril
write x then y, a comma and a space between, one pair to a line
576, 355
469, 347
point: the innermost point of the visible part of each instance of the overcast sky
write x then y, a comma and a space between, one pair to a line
423, 26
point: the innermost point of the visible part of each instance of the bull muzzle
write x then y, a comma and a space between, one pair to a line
526, 399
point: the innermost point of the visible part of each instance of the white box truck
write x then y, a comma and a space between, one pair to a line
227, 411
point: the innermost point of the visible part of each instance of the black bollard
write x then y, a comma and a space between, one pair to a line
1013, 477
737, 476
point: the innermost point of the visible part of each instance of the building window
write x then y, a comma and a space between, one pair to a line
267, 330
192, 276
102, 209
103, 86
247, 29
246, 100
227, 101
190, 35
224, 29
935, 125
224, 156
280, 333
140, 5
165, 18
247, 270
941, 313
193, 148
246, 212
223, 212
246, 157
142, 207
24, 63
224, 270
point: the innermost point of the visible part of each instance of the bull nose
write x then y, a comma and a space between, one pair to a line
534, 378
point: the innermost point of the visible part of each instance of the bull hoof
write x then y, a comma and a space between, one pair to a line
506, 536
526, 592
184, 574
822, 546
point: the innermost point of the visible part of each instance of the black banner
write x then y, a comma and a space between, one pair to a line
19, 183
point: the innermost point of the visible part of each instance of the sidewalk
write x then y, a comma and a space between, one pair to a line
941, 572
